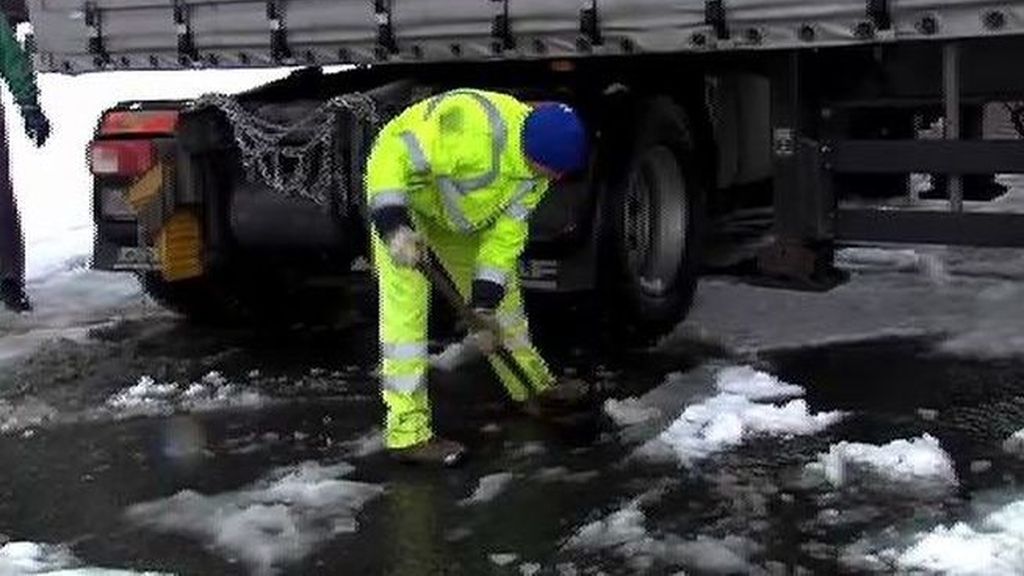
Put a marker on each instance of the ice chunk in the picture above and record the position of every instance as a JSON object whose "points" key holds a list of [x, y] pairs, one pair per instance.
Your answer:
{"points": [[24, 558], [892, 259], [529, 568], [623, 533], [488, 488], [994, 545], [503, 559], [726, 420], [755, 385], [212, 392], [629, 411], [28, 413], [279, 519], [618, 528], [370, 443], [916, 461], [1015, 443]]}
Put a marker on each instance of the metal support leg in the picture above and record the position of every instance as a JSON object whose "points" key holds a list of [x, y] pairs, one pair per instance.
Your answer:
{"points": [[801, 255], [951, 99]]}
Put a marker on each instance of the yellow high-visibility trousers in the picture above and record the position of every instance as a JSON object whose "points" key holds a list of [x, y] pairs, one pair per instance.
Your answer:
{"points": [[404, 295]]}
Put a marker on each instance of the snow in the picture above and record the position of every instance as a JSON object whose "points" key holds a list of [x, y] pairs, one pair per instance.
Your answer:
{"points": [[28, 413], [727, 419], [279, 519], [747, 382], [1015, 443], [996, 546], [503, 559], [488, 488], [366, 445], [968, 297], [995, 329], [892, 259], [212, 392], [629, 411], [623, 532], [24, 558], [529, 568], [919, 461]]}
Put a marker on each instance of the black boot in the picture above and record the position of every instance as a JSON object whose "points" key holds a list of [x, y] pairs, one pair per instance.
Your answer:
{"points": [[569, 396], [12, 293], [436, 451]]}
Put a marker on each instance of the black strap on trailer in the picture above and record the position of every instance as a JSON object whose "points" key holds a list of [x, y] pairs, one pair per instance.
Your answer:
{"points": [[714, 16], [187, 52], [386, 42], [879, 14], [590, 26], [279, 49], [94, 22], [501, 28]]}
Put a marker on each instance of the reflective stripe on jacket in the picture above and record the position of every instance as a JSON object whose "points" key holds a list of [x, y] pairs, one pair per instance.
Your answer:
{"points": [[457, 159]]}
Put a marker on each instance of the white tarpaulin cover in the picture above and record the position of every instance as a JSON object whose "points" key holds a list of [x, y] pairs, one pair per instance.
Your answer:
{"points": [[76, 36]]}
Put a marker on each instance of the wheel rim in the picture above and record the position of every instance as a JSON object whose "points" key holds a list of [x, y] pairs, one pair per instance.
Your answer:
{"points": [[655, 221]]}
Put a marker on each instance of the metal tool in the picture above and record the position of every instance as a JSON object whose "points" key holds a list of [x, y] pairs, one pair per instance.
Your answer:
{"points": [[436, 276]]}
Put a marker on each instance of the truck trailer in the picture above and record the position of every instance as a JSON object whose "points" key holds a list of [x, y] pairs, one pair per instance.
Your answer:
{"points": [[750, 137]]}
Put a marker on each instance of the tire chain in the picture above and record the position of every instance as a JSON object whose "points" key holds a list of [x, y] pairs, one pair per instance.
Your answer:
{"points": [[285, 168]]}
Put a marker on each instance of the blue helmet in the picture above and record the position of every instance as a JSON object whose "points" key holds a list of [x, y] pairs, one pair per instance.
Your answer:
{"points": [[554, 137]]}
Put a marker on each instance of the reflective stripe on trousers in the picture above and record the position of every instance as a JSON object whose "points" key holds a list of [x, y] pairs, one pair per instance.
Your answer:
{"points": [[403, 366]]}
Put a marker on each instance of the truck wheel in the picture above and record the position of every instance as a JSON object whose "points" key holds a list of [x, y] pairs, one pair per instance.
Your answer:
{"points": [[201, 300], [655, 213], [256, 300]]}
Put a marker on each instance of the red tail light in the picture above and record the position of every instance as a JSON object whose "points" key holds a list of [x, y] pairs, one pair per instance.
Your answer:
{"points": [[139, 122], [121, 157]]}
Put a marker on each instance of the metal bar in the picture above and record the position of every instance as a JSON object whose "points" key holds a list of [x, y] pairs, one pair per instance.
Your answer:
{"points": [[931, 227], [951, 100], [432, 270], [930, 156]]}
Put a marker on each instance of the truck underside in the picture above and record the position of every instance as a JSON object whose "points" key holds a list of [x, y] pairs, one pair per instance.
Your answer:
{"points": [[751, 162]]}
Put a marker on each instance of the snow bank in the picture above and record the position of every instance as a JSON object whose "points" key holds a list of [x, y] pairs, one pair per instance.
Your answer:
{"points": [[976, 303], [22, 558], [488, 488], [212, 392], [727, 419], [629, 411], [53, 190], [279, 519], [996, 546], [920, 461], [623, 533], [53, 184], [995, 329]]}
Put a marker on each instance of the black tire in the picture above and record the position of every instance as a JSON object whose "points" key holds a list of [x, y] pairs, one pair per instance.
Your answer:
{"points": [[256, 300], [201, 300], [655, 219]]}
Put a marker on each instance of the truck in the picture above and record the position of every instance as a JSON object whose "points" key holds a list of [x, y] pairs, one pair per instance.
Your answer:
{"points": [[748, 137]]}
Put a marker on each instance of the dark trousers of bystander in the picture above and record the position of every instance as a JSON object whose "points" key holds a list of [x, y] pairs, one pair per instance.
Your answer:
{"points": [[12, 242]]}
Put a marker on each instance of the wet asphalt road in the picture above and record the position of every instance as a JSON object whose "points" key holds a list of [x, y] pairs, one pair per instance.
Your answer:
{"points": [[72, 482]]}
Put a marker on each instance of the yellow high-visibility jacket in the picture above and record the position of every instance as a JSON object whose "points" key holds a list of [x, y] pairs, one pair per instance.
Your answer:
{"points": [[457, 159]]}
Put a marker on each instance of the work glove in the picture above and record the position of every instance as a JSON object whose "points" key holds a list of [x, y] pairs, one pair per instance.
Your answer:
{"points": [[37, 126], [406, 247], [485, 333]]}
